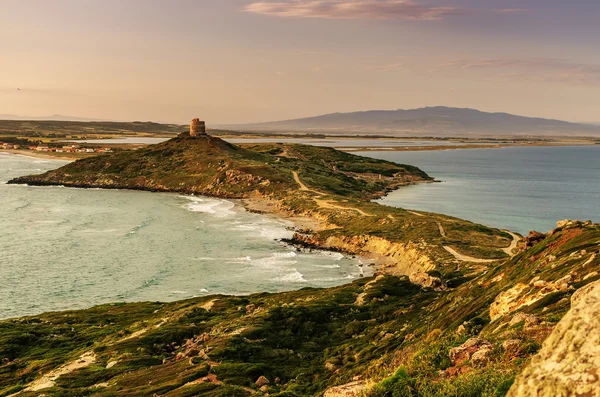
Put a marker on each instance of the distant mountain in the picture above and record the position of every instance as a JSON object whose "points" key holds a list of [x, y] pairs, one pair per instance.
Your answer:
{"points": [[54, 117], [428, 121]]}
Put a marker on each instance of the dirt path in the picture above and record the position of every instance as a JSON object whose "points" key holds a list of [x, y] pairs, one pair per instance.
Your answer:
{"points": [[509, 250], [303, 187], [442, 231], [49, 379], [325, 203], [466, 258], [414, 213]]}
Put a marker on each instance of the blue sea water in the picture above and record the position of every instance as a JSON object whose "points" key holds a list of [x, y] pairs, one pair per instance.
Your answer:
{"points": [[516, 188], [63, 248]]}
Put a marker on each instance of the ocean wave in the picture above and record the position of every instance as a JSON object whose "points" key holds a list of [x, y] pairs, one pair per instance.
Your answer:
{"points": [[328, 266], [294, 277], [275, 260], [216, 207]]}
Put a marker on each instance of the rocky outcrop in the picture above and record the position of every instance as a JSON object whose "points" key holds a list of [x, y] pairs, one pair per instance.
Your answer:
{"points": [[569, 362], [533, 238], [477, 350], [426, 281], [526, 294], [403, 259]]}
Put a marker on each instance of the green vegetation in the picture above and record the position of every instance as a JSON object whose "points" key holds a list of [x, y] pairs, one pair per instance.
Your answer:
{"points": [[304, 341], [64, 129], [385, 330], [334, 181]]}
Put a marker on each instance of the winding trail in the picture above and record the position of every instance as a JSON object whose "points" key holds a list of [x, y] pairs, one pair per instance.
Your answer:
{"points": [[49, 379], [325, 203], [303, 187], [516, 238], [466, 258]]}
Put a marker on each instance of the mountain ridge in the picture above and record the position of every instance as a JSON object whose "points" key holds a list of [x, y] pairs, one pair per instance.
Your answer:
{"points": [[429, 121]]}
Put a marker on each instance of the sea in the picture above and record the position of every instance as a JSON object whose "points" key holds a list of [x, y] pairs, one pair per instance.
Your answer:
{"points": [[65, 248], [517, 188]]}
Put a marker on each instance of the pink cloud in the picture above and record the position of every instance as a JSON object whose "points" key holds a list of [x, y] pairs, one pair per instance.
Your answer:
{"points": [[353, 9]]}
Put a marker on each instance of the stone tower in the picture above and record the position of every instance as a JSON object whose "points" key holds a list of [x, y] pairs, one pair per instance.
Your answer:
{"points": [[197, 128]]}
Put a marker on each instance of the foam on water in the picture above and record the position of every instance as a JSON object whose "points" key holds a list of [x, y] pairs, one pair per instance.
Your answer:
{"points": [[216, 207], [293, 277], [75, 248]]}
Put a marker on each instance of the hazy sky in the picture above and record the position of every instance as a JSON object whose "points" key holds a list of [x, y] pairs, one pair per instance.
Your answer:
{"points": [[230, 61]]}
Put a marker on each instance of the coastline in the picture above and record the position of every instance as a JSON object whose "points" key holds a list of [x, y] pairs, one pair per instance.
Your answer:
{"points": [[44, 155]]}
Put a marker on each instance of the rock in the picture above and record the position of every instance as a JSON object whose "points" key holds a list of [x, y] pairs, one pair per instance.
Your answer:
{"points": [[529, 319], [569, 362], [461, 330], [277, 381], [426, 281], [262, 381], [590, 275], [111, 364], [463, 353], [482, 356], [511, 344], [522, 295], [505, 301], [533, 238], [582, 293], [352, 389], [264, 388]]}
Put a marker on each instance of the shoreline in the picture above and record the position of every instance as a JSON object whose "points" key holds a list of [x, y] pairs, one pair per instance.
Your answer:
{"points": [[41, 155]]}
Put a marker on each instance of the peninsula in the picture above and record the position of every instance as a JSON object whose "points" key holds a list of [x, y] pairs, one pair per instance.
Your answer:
{"points": [[457, 308]]}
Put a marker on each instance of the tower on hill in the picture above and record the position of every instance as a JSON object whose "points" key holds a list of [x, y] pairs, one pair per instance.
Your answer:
{"points": [[197, 128]]}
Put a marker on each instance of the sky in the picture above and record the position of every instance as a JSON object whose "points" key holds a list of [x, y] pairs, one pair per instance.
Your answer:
{"points": [[239, 61]]}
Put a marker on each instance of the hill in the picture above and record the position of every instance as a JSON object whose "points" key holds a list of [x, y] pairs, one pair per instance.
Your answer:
{"points": [[380, 336], [328, 186], [64, 128], [457, 308], [429, 121]]}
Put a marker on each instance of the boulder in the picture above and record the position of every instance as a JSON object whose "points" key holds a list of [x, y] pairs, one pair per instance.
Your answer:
{"points": [[533, 238], [482, 356], [511, 344], [426, 281], [569, 362], [529, 320], [463, 353], [262, 381]]}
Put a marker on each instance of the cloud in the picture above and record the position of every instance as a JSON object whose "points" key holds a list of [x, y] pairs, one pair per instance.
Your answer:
{"points": [[532, 69], [353, 9]]}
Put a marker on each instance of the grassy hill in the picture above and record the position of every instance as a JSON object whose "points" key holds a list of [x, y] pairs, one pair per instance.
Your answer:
{"points": [[62, 129], [430, 324], [382, 335], [317, 182]]}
